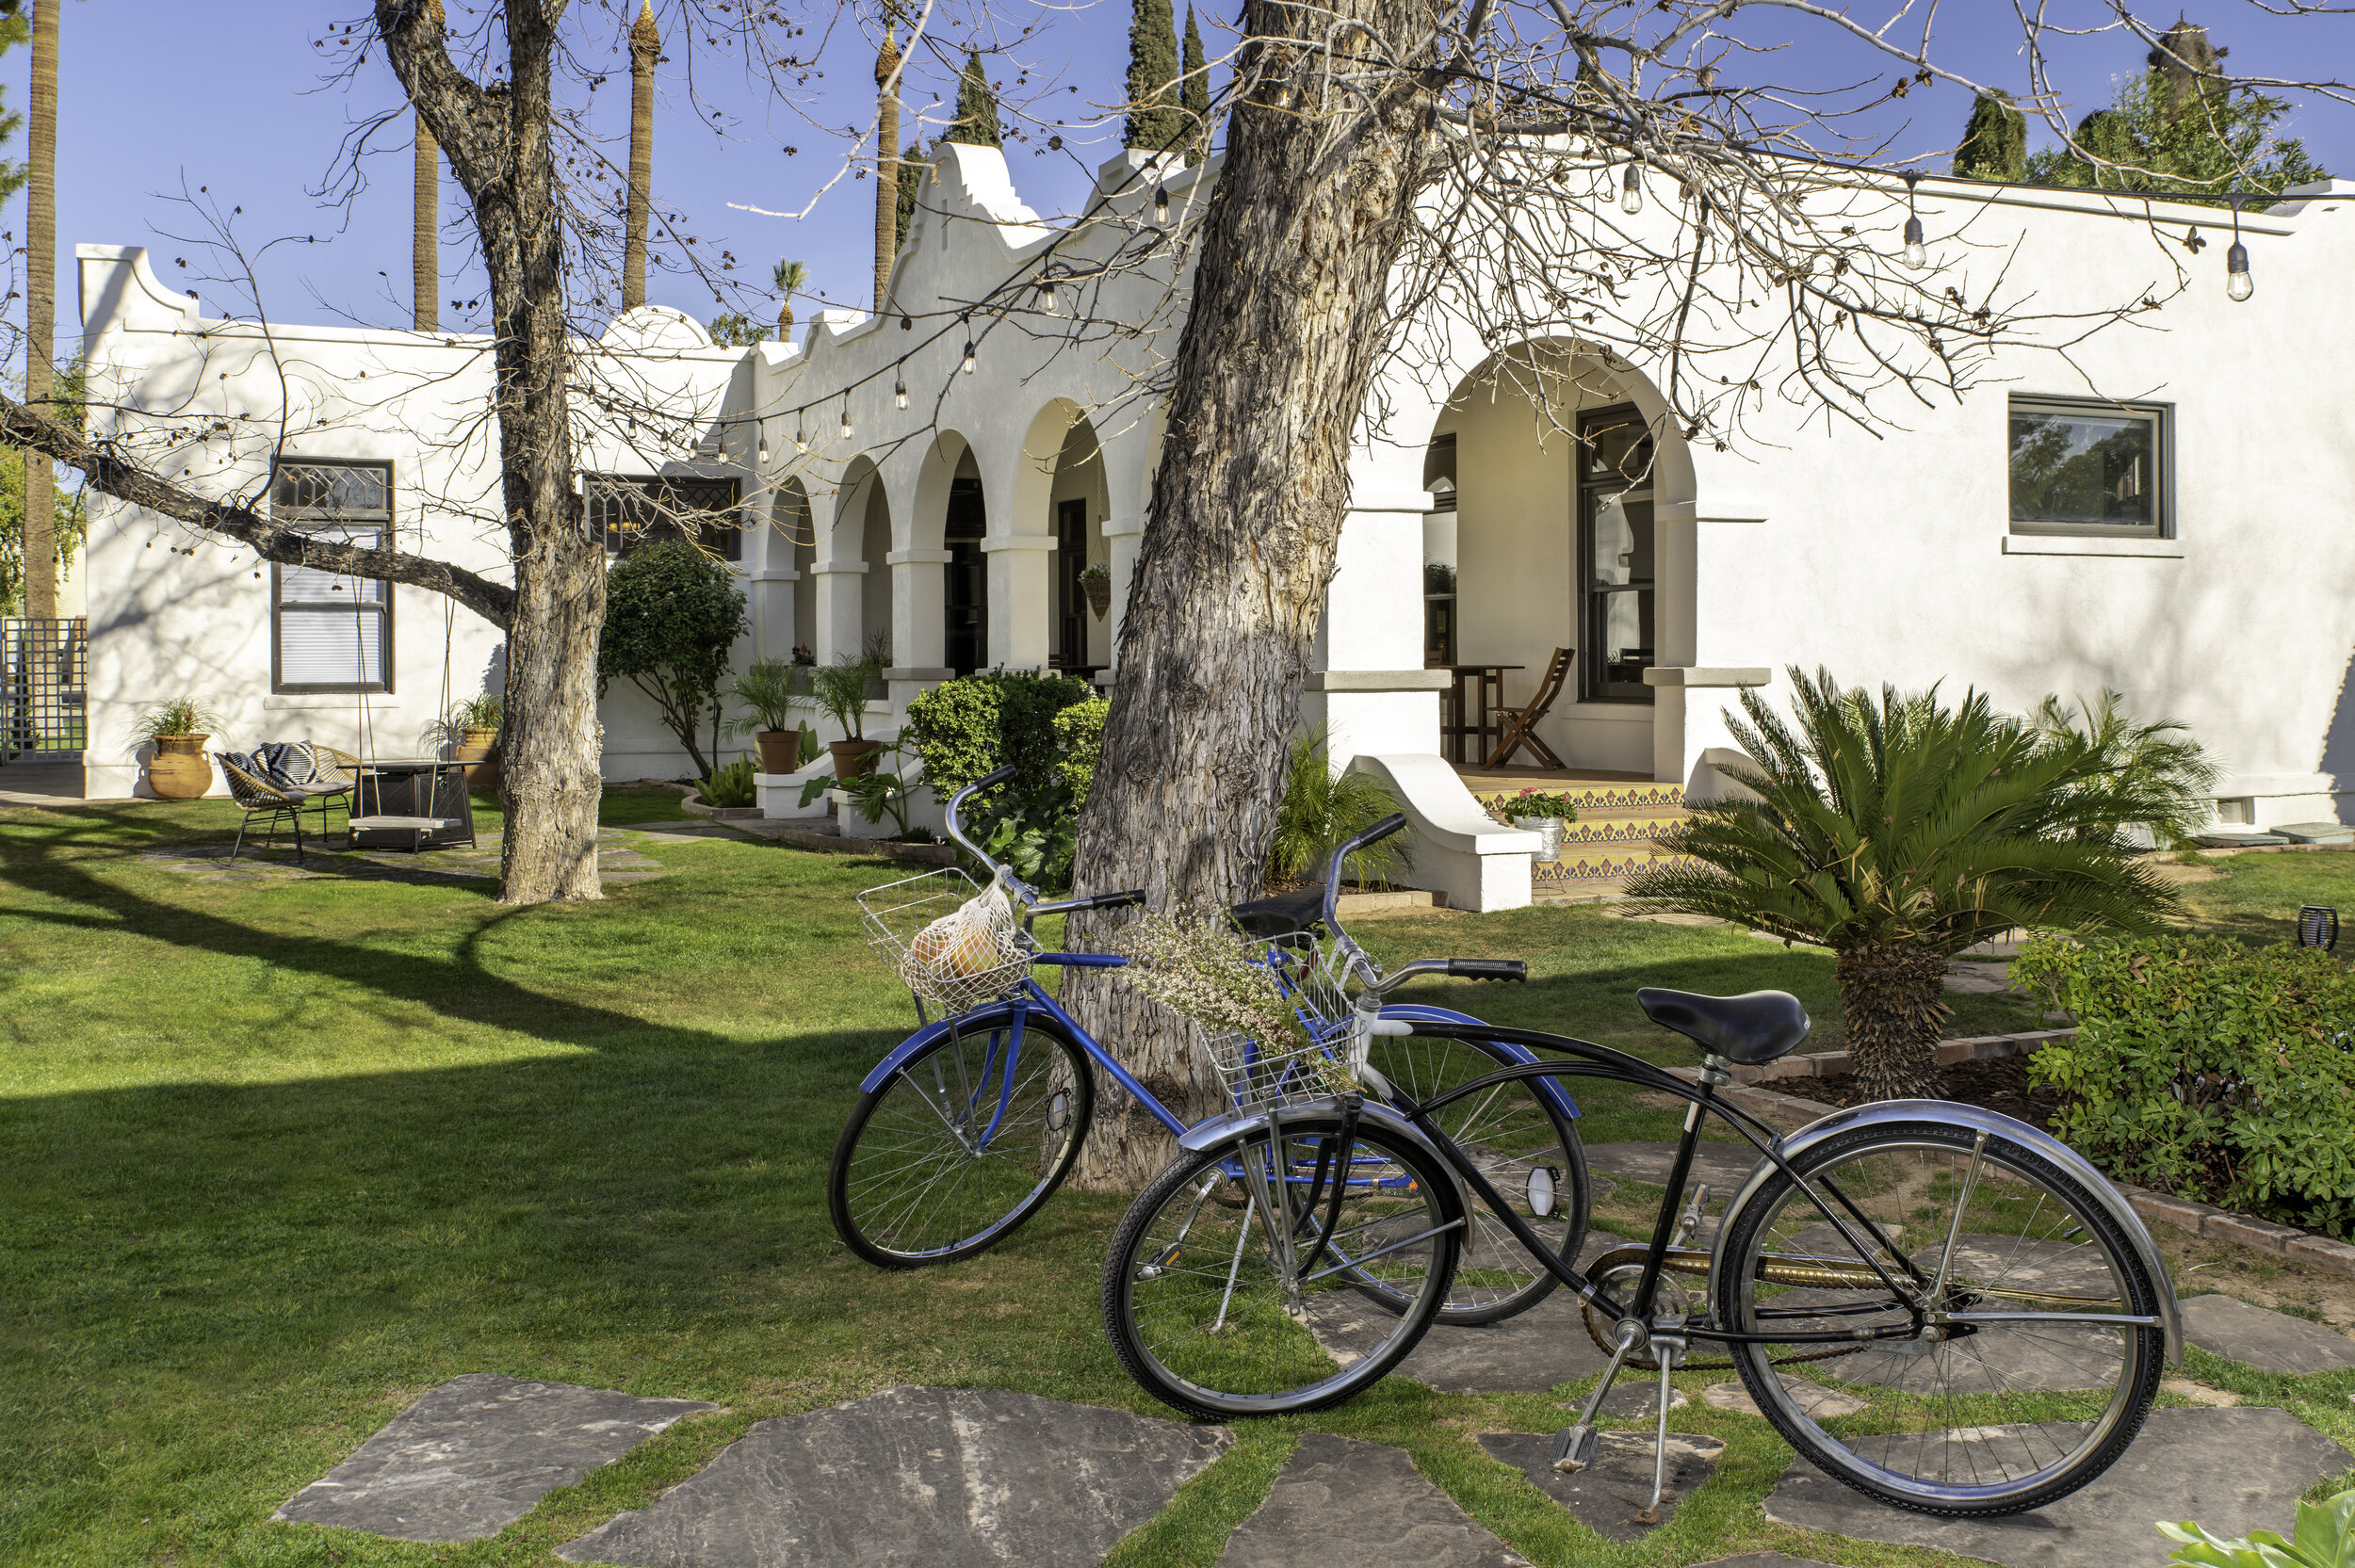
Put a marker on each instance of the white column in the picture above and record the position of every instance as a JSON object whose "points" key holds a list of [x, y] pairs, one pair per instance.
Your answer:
{"points": [[1124, 535], [1375, 695], [916, 596], [840, 583], [1020, 603]]}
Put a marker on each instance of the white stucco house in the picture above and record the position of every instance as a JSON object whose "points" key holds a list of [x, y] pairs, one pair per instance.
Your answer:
{"points": [[2198, 561]]}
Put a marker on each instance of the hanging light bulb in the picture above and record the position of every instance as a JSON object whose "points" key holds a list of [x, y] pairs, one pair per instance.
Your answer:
{"points": [[1631, 189], [900, 388], [1916, 254], [1161, 204], [2237, 284], [966, 368], [800, 432], [846, 417], [764, 449], [1047, 296]]}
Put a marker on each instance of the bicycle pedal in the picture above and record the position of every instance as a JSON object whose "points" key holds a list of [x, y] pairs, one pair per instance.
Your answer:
{"points": [[1574, 1447]]}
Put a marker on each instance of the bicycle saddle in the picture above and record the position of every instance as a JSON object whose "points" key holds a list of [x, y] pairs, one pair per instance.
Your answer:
{"points": [[1281, 915], [1749, 1030]]}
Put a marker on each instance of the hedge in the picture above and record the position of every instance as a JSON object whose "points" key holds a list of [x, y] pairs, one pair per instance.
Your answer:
{"points": [[976, 725], [2207, 1069]]}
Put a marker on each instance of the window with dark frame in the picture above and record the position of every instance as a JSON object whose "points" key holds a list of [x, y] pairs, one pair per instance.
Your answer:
{"points": [[1614, 454], [331, 632], [2085, 467], [634, 509]]}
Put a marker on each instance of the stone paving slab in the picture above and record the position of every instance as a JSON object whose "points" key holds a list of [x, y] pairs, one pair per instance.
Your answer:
{"points": [[474, 1455], [1342, 1501], [1530, 1353], [1606, 1494], [2270, 1341], [2232, 1470], [1723, 1166], [941, 1477], [1761, 1560]]}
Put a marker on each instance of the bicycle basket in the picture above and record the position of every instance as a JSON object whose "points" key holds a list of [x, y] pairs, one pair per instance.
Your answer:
{"points": [[1259, 1075], [957, 944]]}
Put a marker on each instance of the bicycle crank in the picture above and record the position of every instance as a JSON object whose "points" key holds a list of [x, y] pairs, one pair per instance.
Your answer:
{"points": [[1619, 1269]]}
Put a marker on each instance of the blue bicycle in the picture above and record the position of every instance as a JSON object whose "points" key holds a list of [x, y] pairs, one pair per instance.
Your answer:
{"points": [[969, 1125]]}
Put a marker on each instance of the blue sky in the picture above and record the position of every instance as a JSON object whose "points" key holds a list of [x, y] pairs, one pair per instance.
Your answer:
{"points": [[230, 97]]}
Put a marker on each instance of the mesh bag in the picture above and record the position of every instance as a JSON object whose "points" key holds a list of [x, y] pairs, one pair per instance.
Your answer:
{"points": [[956, 944]]}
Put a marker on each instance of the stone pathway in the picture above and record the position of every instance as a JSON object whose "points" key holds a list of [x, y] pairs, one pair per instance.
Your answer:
{"points": [[947, 1478], [1340, 1501], [1606, 1496], [2270, 1341], [1723, 1166], [2232, 1470], [474, 1455], [620, 861], [1528, 1354]]}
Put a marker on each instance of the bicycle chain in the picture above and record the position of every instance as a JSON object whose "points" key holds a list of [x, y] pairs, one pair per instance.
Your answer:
{"points": [[1624, 1258]]}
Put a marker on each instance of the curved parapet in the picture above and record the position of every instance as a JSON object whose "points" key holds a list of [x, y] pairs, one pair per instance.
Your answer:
{"points": [[1478, 862], [120, 293]]}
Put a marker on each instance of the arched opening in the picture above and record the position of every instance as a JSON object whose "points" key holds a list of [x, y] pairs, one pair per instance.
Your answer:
{"points": [[1078, 631], [875, 583], [1547, 465], [792, 544], [965, 575]]}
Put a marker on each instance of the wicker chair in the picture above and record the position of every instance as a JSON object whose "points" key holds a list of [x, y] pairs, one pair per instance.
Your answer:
{"points": [[333, 775]]}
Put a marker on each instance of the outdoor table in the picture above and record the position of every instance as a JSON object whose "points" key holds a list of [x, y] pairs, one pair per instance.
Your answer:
{"points": [[1454, 697], [410, 803]]}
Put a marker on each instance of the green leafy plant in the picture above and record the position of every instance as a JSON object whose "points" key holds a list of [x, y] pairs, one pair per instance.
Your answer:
{"points": [[774, 689], [173, 717], [1080, 745], [2208, 1069], [1897, 832], [1321, 811], [1439, 577], [812, 748], [2158, 764], [974, 725], [839, 690], [1096, 572], [2158, 136], [736, 331], [672, 613], [879, 792], [1033, 828], [1531, 802], [2325, 1538], [484, 710], [731, 786]]}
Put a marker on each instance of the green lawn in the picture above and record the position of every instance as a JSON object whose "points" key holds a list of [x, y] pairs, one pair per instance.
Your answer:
{"points": [[276, 1157]]}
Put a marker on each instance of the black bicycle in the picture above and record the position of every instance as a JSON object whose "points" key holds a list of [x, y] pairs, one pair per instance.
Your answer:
{"points": [[1944, 1308]]}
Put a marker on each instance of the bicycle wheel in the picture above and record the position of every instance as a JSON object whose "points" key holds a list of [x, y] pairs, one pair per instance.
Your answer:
{"points": [[1219, 1312], [1523, 1143], [962, 1144], [2015, 1392]]}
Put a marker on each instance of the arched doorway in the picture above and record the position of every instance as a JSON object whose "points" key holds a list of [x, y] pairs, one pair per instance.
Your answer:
{"points": [[1079, 634], [964, 576]]}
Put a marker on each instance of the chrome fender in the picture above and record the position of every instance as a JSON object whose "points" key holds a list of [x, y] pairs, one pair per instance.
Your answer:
{"points": [[1219, 1129], [1889, 1111]]}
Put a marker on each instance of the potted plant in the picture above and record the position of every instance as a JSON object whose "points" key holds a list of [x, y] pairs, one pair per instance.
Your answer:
{"points": [[1545, 816], [839, 691], [471, 730], [1096, 581], [772, 689], [176, 732]]}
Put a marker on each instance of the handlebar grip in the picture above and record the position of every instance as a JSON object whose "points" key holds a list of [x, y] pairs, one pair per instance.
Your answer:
{"points": [[1104, 901], [1488, 969], [1379, 832], [987, 779]]}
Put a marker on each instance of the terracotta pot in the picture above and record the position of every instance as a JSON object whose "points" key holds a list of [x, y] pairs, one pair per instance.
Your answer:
{"points": [[177, 767], [852, 758], [780, 750], [1099, 593], [479, 750]]}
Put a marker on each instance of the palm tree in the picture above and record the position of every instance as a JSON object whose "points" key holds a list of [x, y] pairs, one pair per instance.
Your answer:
{"points": [[425, 197], [1898, 832], [41, 313], [645, 45], [886, 166], [790, 277], [2159, 761]]}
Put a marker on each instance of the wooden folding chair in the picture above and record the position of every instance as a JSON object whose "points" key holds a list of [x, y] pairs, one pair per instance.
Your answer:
{"points": [[1519, 726]]}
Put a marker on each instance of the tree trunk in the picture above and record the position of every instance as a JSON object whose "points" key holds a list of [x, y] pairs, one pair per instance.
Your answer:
{"points": [[645, 43], [1289, 317], [1894, 999], [425, 260], [40, 312], [887, 168]]}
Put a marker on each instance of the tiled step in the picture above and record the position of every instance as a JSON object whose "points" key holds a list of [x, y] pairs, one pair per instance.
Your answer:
{"points": [[1612, 840]]}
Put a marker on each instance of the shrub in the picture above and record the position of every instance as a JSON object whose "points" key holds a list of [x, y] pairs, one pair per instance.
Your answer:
{"points": [[731, 786], [975, 725], [672, 613], [1321, 811], [1079, 744], [2325, 1538], [2208, 1069]]}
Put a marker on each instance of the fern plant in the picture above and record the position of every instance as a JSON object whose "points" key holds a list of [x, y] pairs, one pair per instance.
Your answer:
{"points": [[1897, 832], [1321, 811]]}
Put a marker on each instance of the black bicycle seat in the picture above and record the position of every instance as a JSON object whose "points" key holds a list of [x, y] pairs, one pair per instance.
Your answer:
{"points": [[1283, 914], [1749, 1030]]}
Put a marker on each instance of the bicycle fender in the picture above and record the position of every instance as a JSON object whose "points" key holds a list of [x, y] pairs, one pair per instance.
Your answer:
{"points": [[1978, 1119], [994, 1016], [1219, 1129], [1551, 1088]]}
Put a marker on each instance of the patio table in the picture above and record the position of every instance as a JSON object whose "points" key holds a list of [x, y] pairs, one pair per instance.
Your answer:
{"points": [[1454, 697]]}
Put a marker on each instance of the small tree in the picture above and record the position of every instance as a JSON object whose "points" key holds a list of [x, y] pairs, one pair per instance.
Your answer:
{"points": [[1995, 143], [1157, 118], [977, 108], [1196, 96], [1898, 832], [672, 613]]}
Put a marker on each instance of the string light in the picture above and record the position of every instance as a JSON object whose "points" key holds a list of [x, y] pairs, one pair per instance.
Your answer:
{"points": [[2238, 286], [800, 432], [1161, 204], [1631, 189], [899, 387], [1916, 254], [968, 366], [1047, 296], [847, 433]]}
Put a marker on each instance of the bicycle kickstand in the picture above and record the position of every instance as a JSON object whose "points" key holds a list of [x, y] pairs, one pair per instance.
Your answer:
{"points": [[1574, 1445], [1667, 1348]]}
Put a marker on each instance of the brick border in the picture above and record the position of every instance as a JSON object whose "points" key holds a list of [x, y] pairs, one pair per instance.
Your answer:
{"points": [[2159, 1208]]}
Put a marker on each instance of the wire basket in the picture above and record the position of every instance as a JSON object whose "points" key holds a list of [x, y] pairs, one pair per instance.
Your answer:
{"points": [[954, 965], [1259, 1076]]}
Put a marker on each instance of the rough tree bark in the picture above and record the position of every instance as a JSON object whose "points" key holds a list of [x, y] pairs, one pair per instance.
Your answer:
{"points": [[1289, 317], [645, 43], [501, 150], [887, 167], [1894, 1000], [40, 311]]}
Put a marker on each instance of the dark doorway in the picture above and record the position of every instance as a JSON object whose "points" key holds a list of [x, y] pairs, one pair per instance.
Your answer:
{"points": [[1071, 558], [964, 600], [1615, 555]]}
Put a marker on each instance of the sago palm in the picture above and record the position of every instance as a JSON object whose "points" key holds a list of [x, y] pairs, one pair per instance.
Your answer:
{"points": [[1897, 832]]}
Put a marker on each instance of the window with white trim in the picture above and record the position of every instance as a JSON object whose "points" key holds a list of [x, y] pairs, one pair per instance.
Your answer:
{"points": [[2090, 468], [634, 509], [331, 632]]}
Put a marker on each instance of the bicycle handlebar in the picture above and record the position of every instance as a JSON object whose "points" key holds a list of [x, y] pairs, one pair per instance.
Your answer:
{"points": [[1022, 890], [1376, 835]]}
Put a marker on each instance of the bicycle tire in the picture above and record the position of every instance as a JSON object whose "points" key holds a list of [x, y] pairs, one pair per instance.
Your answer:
{"points": [[992, 1196], [1984, 1402], [1287, 1347], [1511, 1134]]}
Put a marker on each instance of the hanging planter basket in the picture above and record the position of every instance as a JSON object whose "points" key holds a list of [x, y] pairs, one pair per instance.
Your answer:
{"points": [[1099, 593]]}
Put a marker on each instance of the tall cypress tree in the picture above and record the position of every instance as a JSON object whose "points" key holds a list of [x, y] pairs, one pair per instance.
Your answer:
{"points": [[1156, 118], [912, 168], [977, 108], [1197, 96], [1995, 143]]}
